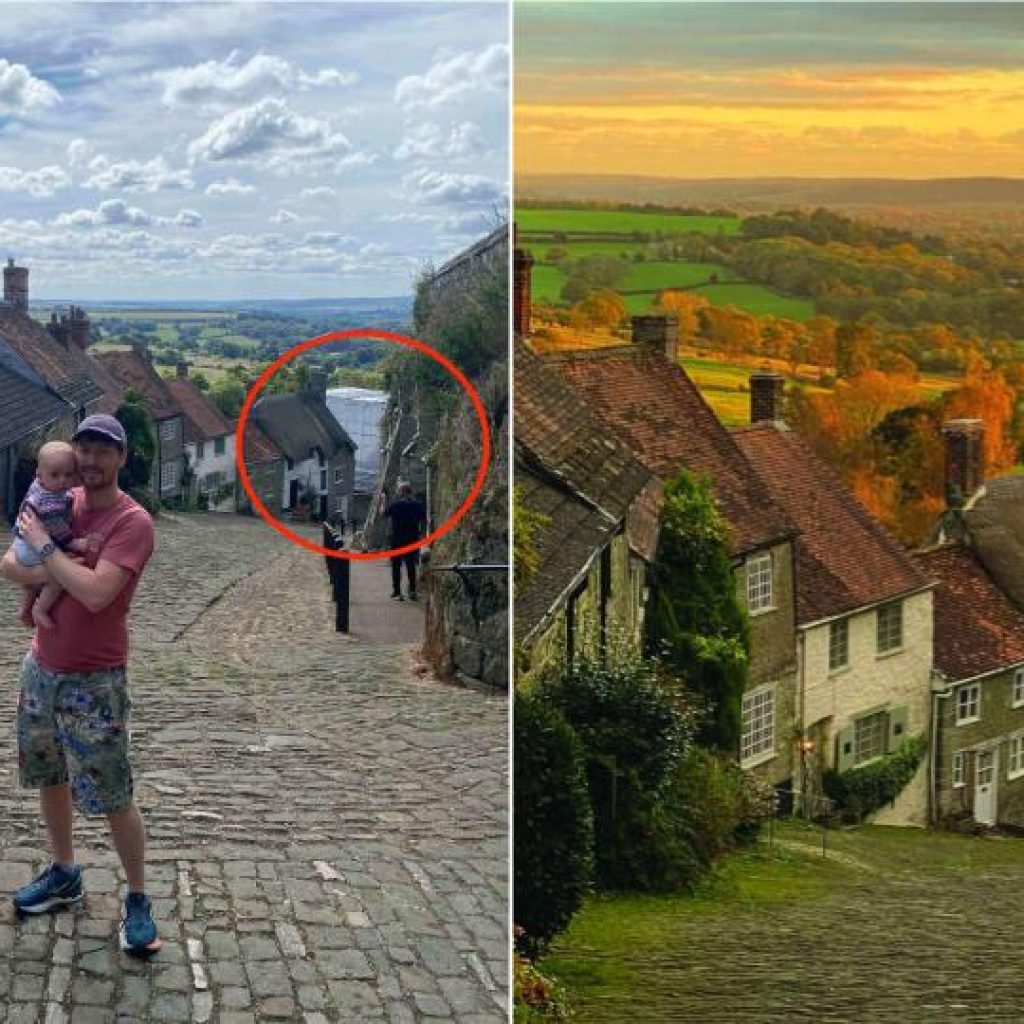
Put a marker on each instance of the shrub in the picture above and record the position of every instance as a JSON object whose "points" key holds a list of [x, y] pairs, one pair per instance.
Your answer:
{"points": [[554, 831], [537, 997], [864, 790], [634, 725]]}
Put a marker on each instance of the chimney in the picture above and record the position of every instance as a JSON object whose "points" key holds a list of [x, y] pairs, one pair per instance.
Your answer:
{"points": [[766, 397], [318, 383], [59, 329], [16, 285], [522, 265], [182, 368], [78, 325], [964, 460], [658, 332], [141, 348]]}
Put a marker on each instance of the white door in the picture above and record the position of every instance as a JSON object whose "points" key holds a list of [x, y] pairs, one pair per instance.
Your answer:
{"points": [[985, 775]]}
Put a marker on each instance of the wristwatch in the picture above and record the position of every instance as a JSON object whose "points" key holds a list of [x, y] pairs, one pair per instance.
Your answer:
{"points": [[46, 550]]}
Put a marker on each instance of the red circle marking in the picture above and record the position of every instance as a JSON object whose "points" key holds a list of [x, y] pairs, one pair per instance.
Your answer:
{"points": [[400, 339]]}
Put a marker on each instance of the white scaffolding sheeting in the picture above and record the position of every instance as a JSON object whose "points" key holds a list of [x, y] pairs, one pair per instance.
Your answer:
{"points": [[359, 411]]}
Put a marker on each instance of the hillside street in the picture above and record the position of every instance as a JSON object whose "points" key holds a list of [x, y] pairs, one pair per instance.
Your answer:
{"points": [[327, 823]]}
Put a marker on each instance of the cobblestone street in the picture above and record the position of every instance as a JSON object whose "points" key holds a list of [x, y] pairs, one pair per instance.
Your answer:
{"points": [[327, 823]]}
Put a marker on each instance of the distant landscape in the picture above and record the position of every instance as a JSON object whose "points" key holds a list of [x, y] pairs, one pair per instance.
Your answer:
{"points": [[885, 322], [228, 344]]}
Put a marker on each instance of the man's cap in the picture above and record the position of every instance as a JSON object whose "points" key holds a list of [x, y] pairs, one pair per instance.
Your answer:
{"points": [[105, 426]]}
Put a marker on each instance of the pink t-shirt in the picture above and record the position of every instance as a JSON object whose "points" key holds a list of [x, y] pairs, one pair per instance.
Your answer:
{"points": [[83, 641]]}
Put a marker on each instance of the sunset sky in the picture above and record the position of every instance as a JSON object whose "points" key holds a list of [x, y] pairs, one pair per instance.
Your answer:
{"points": [[713, 90]]}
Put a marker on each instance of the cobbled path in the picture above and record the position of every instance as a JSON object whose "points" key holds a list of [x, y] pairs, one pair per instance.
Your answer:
{"points": [[327, 825]]}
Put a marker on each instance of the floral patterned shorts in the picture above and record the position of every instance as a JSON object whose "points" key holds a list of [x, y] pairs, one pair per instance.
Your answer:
{"points": [[76, 724]]}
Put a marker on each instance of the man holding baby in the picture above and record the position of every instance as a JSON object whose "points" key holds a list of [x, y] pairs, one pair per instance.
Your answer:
{"points": [[74, 704]]}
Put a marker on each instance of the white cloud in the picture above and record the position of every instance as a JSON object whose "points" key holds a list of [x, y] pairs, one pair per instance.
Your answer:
{"points": [[454, 76], [113, 211], [324, 238], [284, 217], [320, 192], [229, 80], [439, 188], [279, 139], [21, 93], [230, 187], [39, 183], [135, 176], [117, 213], [430, 140]]}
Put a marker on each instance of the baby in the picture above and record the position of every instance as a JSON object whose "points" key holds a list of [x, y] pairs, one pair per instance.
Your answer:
{"points": [[49, 497]]}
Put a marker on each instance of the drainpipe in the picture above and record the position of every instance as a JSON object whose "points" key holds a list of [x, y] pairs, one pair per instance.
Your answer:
{"points": [[801, 686], [937, 695]]}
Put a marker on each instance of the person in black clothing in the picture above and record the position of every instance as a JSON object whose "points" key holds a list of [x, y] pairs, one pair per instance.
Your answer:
{"points": [[408, 521]]}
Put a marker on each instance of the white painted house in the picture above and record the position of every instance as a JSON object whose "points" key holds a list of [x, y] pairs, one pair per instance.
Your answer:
{"points": [[864, 625], [209, 444]]}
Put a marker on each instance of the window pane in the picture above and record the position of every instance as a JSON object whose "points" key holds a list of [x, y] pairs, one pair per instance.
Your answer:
{"points": [[758, 723], [869, 736], [759, 582]]}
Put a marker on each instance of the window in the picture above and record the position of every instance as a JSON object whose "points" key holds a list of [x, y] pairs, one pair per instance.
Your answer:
{"points": [[339, 476], [758, 723], [168, 476], [869, 736], [1018, 688], [890, 628], [199, 449], [759, 582], [211, 482], [968, 704], [838, 644], [168, 430], [958, 769], [323, 479], [1016, 765], [218, 446]]}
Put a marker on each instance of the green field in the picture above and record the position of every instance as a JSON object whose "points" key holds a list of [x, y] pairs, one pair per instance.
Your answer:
{"points": [[158, 315], [618, 221], [757, 299]]}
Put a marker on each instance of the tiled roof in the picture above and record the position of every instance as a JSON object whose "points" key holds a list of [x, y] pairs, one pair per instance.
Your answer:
{"points": [[65, 369], [995, 522], [570, 535], [113, 389], [26, 407], [977, 629], [657, 410], [555, 425], [203, 420], [299, 421], [259, 447], [135, 373], [846, 559]]}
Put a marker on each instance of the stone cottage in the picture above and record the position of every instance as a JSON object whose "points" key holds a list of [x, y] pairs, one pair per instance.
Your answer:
{"points": [[209, 444], [864, 615], [319, 456], [133, 369], [645, 397], [596, 531]]}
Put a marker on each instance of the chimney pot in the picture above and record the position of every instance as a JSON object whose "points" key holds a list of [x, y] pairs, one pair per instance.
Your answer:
{"points": [[964, 459], [182, 369], [658, 332], [766, 394], [16, 285]]}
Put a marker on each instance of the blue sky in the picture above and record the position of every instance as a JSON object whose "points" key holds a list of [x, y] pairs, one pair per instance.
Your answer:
{"points": [[267, 150]]}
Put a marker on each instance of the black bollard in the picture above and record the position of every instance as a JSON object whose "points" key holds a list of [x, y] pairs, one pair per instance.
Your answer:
{"points": [[338, 572]]}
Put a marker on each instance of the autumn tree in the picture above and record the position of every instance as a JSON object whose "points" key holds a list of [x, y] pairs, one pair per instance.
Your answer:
{"points": [[601, 309], [687, 307]]}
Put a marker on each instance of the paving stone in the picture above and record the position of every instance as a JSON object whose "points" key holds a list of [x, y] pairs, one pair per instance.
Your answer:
{"points": [[233, 997], [170, 1006], [277, 1008], [268, 978], [355, 999], [346, 963]]}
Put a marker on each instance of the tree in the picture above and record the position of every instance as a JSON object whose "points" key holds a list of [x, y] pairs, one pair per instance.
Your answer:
{"points": [[601, 309], [695, 623], [687, 307], [592, 274], [141, 436], [228, 395]]}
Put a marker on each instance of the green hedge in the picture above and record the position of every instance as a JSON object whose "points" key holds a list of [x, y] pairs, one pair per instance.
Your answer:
{"points": [[864, 790], [553, 826]]}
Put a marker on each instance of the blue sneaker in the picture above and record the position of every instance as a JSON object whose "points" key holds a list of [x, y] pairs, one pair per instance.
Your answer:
{"points": [[138, 929], [55, 887]]}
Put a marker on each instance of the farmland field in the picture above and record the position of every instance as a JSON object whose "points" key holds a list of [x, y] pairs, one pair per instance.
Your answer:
{"points": [[757, 299], [530, 221]]}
